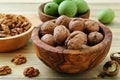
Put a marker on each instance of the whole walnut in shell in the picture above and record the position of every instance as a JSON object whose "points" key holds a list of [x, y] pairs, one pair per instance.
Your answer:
{"points": [[95, 37], [91, 26], [76, 24], [48, 27], [60, 34], [63, 20], [48, 39], [76, 40]]}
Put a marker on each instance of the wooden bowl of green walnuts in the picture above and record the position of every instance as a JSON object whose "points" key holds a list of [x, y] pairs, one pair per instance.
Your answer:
{"points": [[54, 9]]}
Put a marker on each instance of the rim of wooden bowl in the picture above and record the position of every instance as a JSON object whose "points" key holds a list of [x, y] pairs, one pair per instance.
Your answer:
{"points": [[41, 11]]}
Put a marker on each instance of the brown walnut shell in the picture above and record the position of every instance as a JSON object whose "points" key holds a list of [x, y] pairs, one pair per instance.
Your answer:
{"points": [[63, 20], [76, 40], [76, 24], [60, 34], [115, 56], [48, 27], [48, 39], [111, 68], [95, 38], [91, 26]]}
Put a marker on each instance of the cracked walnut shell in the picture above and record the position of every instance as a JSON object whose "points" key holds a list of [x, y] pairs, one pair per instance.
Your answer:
{"points": [[31, 72], [76, 40]]}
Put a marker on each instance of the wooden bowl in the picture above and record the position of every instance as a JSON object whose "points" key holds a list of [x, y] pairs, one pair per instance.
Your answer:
{"points": [[15, 42], [72, 61], [44, 17]]}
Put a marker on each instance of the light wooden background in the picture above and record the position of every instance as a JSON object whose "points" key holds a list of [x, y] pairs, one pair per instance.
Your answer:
{"points": [[30, 10]]}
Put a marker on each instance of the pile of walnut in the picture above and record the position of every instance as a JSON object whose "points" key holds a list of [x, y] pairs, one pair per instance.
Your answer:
{"points": [[70, 33], [11, 25]]}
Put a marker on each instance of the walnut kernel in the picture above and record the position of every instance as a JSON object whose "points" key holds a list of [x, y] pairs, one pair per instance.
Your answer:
{"points": [[19, 59], [4, 70], [12, 25], [31, 72]]}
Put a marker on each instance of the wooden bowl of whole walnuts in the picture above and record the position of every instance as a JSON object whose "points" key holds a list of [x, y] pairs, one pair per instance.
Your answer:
{"points": [[15, 31], [71, 45], [45, 17]]}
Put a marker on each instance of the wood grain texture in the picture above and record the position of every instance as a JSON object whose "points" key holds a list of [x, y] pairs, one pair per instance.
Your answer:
{"points": [[72, 61], [46, 72]]}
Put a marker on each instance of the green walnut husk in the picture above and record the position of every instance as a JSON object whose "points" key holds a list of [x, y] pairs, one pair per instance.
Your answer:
{"points": [[82, 6], [106, 16]]}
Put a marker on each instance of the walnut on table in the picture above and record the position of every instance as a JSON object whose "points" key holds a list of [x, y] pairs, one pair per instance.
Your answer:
{"points": [[4, 70], [31, 72], [19, 59]]}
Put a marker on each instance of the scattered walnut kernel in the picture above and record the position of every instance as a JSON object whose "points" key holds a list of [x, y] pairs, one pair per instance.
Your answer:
{"points": [[4, 70], [31, 72], [19, 59]]}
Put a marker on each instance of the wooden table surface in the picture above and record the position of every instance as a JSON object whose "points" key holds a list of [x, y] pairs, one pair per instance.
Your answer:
{"points": [[28, 51]]}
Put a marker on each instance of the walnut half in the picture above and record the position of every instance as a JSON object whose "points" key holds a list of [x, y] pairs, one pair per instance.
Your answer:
{"points": [[4, 70], [31, 72], [19, 59]]}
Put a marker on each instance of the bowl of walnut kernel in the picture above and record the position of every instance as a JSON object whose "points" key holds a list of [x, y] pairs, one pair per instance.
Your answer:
{"points": [[71, 45], [15, 31]]}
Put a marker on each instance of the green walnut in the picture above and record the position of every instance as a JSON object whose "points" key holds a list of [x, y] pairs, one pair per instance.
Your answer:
{"points": [[67, 8], [82, 6], [51, 8], [58, 1], [106, 16]]}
